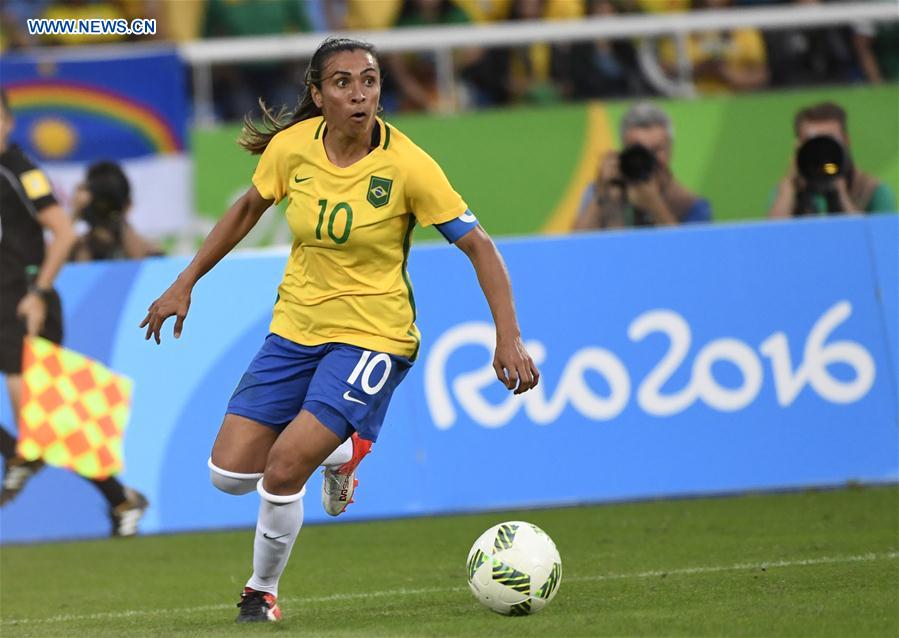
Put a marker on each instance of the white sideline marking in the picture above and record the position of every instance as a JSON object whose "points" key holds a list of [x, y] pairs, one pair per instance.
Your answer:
{"points": [[682, 571], [825, 560]]}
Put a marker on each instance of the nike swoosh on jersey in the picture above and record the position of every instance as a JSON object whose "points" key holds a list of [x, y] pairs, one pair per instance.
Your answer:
{"points": [[348, 397], [299, 180]]}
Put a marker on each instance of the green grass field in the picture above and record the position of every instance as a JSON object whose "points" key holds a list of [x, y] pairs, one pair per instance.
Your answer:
{"points": [[800, 564]]}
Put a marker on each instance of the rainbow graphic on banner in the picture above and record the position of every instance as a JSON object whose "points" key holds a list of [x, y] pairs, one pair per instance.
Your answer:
{"points": [[73, 109], [60, 97]]}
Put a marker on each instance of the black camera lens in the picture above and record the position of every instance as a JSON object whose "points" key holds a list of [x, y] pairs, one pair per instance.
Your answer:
{"points": [[637, 163], [820, 159]]}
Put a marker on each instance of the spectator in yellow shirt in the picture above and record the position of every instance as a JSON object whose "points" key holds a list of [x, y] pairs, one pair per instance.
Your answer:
{"points": [[723, 61]]}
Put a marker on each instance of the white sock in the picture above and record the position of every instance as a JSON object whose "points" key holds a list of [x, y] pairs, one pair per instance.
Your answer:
{"points": [[341, 455], [279, 523]]}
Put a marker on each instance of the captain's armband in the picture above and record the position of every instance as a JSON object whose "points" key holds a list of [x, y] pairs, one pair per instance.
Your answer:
{"points": [[455, 229]]}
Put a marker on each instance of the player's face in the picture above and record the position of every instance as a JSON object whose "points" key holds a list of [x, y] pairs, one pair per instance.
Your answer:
{"points": [[832, 128], [350, 92], [655, 138], [5, 127]]}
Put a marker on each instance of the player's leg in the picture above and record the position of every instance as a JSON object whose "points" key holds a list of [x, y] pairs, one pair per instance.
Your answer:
{"points": [[339, 480], [341, 454], [239, 454], [299, 450], [242, 446], [266, 402], [355, 385], [267, 398]]}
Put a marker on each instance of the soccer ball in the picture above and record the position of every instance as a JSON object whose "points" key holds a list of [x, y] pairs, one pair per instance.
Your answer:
{"points": [[514, 568]]}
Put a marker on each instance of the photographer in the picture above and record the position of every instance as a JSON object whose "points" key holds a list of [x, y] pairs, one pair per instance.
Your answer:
{"points": [[823, 177], [636, 187], [102, 202]]}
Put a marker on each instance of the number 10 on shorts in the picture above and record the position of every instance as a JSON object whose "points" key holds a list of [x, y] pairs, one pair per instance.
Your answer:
{"points": [[366, 368]]}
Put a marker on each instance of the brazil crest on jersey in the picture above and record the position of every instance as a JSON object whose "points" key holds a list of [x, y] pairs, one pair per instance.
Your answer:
{"points": [[346, 279]]}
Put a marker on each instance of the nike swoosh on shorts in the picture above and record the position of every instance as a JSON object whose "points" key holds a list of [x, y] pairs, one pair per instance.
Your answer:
{"points": [[349, 397]]}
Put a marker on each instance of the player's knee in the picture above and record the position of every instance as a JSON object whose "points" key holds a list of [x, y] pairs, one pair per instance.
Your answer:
{"points": [[279, 499], [282, 479], [286, 476], [232, 482]]}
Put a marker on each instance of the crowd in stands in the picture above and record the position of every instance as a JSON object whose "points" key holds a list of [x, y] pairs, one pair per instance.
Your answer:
{"points": [[726, 61], [633, 187]]}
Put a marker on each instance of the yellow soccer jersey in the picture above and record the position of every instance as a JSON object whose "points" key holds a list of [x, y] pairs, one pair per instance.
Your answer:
{"points": [[346, 279]]}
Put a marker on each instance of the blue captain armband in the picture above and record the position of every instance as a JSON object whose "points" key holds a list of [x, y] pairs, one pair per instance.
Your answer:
{"points": [[455, 229]]}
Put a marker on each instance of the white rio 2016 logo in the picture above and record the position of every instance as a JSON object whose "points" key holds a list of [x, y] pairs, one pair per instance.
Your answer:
{"points": [[573, 389]]}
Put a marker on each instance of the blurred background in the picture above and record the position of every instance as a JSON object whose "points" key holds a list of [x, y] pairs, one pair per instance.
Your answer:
{"points": [[519, 101], [730, 73]]}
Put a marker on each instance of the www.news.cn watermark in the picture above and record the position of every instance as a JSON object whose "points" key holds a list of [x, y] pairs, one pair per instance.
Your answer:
{"points": [[91, 26]]}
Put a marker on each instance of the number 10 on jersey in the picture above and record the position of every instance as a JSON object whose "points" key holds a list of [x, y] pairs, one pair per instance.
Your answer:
{"points": [[339, 207]]}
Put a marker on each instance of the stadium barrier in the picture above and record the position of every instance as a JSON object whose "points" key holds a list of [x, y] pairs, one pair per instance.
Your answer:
{"points": [[674, 362], [441, 41]]}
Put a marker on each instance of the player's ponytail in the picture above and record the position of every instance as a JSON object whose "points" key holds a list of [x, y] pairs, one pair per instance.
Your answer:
{"points": [[255, 138]]}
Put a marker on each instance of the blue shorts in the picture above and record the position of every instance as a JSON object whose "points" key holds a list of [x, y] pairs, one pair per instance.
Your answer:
{"points": [[346, 387]]}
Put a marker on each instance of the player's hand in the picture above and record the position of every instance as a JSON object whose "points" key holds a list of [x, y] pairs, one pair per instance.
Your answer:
{"points": [[174, 302], [513, 365], [32, 309]]}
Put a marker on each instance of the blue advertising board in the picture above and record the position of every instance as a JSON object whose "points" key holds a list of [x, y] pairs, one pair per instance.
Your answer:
{"points": [[673, 362]]}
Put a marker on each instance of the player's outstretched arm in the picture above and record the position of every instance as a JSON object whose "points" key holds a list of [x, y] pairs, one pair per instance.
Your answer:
{"points": [[513, 365], [225, 235]]}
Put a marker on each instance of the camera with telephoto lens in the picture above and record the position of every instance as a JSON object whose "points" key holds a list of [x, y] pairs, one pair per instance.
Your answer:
{"points": [[819, 161], [637, 163]]}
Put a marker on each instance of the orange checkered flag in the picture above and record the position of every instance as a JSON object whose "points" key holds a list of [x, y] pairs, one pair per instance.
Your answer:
{"points": [[74, 410]]}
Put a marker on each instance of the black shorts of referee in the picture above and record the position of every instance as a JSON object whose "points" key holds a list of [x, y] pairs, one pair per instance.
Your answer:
{"points": [[12, 329]]}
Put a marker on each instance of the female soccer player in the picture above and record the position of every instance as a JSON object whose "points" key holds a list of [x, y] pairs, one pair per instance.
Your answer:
{"points": [[343, 331]]}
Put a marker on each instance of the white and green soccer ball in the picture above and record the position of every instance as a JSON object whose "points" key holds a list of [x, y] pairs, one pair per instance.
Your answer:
{"points": [[514, 568]]}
